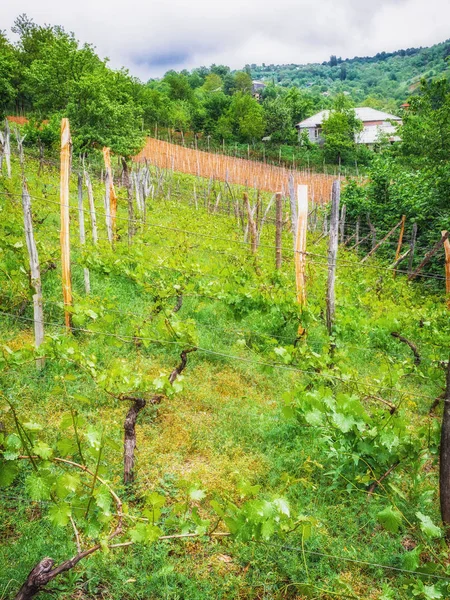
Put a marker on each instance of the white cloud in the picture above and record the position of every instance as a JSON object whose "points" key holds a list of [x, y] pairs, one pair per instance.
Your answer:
{"points": [[151, 36]]}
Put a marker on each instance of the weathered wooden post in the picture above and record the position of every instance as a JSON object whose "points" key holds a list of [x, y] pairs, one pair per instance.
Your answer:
{"points": [[87, 281], [35, 273], [375, 248], [127, 183], [278, 228], [251, 224], [109, 182], [300, 242], [400, 240], [447, 266], [332, 254], [66, 143], [429, 255], [293, 201], [90, 192]]}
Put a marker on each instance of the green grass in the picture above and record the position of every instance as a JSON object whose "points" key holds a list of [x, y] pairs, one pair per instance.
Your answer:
{"points": [[227, 425]]}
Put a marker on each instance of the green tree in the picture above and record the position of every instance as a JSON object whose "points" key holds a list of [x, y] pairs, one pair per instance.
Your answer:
{"points": [[102, 113], [243, 82], [426, 124], [244, 120], [213, 83], [339, 131], [8, 69], [179, 88], [278, 118]]}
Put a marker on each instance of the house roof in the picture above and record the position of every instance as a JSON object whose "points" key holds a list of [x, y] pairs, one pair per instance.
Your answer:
{"points": [[363, 113]]}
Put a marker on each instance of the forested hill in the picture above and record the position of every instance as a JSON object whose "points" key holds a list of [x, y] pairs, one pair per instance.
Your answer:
{"points": [[393, 75]]}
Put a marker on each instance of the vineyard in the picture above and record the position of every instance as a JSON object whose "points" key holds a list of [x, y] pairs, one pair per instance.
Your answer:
{"points": [[246, 173], [213, 390]]}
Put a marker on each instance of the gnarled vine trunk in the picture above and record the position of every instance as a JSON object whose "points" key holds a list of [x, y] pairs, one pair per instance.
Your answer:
{"points": [[129, 443]]}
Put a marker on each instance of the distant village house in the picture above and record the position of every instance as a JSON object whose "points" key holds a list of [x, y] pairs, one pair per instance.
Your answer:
{"points": [[257, 88], [376, 125]]}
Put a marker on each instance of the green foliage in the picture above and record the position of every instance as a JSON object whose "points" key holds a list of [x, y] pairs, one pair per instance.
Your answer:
{"points": [[340, 129], [387, 77], [216, 456]]}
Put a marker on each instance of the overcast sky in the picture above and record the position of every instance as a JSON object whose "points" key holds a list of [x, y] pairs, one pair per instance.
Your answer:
{"points": [[150, 37]]}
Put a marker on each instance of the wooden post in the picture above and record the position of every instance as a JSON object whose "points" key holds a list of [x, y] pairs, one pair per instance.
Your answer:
{"points": [[279, 228], [293, 207], [251, 224], [90, 192], [428, 256], [332, 254], [447, 267], [66, 143], [35, 273], [20, 141], [110, 189], [399, 260], [412, 247], [300, 242], [127, 182], [358, 221], [107, 204], [400, 240], [87, 281], [375, 248]]}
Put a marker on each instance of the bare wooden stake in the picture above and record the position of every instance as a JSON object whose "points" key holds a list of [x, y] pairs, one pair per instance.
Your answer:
{"points": [[300, 243], [127, 183], [92, 214], [66, 143], [388, 235], [400, 240], [429, 255], [279, 229], [35, 273], [400, 259], [332, 255], [87, 281], [293, 200], [110, 189], [107, 205], [251, 225]]}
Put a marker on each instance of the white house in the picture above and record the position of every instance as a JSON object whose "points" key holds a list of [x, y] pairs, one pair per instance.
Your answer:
{"points": [[376, 124]]}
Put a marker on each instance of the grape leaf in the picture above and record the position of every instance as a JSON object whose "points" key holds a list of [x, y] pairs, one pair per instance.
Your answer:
{"points": [[390, 518], [59, 514], [428, 527], [37, 487]]}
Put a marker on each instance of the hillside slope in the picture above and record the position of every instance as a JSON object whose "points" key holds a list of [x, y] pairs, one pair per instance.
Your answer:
{"points": [[388, 75], [292, 432]]}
